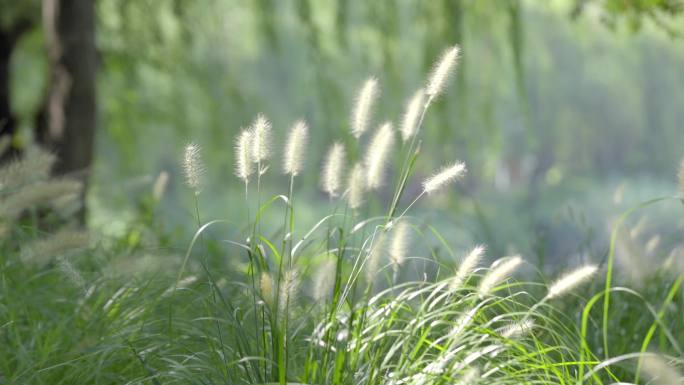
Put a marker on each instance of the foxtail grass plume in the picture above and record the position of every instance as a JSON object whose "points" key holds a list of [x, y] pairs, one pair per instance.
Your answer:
{"points": [[261, 139], [444, 177], [193, 167], [517, 329], [35, 165], [470, 377], [409, 123], [376, 155], [159, 187], [266, 288], [467, 267], [324, 279], [357, 186], [39, 194], [442, 72], [43, 250], [332, 169], [401, 238], [289, 285], [243, 153], [375, 257], [571, 280], [364, 106], [500, 271], [660, 373], [295, 148]]}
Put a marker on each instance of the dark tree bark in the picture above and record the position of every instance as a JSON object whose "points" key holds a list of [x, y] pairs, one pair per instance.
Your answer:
{"points": [[69, 113], [70, 107], [8, 40]]}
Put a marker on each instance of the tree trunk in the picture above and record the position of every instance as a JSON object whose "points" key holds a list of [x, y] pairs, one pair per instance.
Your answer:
{"points": [[8, 123], [69, 117]]}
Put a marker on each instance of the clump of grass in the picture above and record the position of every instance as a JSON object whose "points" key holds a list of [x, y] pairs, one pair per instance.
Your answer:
{"points": [[320, 305]]}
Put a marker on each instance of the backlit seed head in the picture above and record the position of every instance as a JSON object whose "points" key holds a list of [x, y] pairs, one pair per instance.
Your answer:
{"points": [[377, 155], [444, 177], [261, 139], [332, 169], [364, 106], [295, 148], [571, 280], [500, 271], [357, 187], [243, 155], [193, 167], [442, 72], [409, 123]]}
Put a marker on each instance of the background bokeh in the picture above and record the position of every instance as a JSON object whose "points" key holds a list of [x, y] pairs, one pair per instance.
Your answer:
{"points": [[565, 116]]}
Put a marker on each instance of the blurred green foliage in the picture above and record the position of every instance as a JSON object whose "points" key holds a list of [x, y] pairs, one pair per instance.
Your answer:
{"points": [[545, 106]]}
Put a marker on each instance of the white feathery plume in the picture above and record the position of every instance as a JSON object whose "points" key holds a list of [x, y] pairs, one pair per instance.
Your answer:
{"points": [[295, 148], [324, 279], [333, 169], [517, 329], [375, 257], [261, 139], [470, 377], [444, 176], [441, 72], [42, 193], [401, 238], [193, 167], [160, 184], [35, 165], [289, 285], [409, 123], [467, 266], [571, 280], [500, 271], [243, 154], [463, 322], [376, 155], [266, 288], [660, 372], [364, 105], [43, 250], [357, 186]]}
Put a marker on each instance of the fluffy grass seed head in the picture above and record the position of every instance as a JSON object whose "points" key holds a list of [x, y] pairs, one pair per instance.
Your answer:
{"points": [[333, 167], [467, 267], [660, 373], [295, 148], [261, 139], [289, 285], [375, 257], [401, 239], [517, 329], [160, 185], [65, 241], [35, 165], [266, 288], [444, 177], [571, 280], [363, 107], [442, 72], [49, 192], [243, 153], [324, 279], [409, 122], [500, 271], [193, 167], [470, 377], [377, 154], [357, 187]]}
